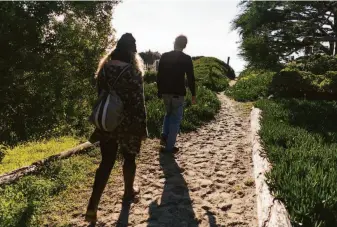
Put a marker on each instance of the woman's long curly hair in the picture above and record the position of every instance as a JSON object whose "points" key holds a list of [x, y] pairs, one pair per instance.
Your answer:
{"points": [[125, 51]]}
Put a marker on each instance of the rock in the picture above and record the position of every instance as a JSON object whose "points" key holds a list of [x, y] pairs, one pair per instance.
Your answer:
{"points": [[241, 194], [220, 174], [232, 181], [225, 206], [162, 180], [206, 205], [204, 183], [141, 225], [194, 189], [190, 173], [249, 182]]}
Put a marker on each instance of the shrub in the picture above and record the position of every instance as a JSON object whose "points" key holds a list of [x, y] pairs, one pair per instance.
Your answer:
{"points": [[294, 83], [3, 150], [194, 116], [252, 86], [197, 57], [305, 78], [150, 77], [317, 64], [205, 110], [150, 91], [300, 140], [211, 73]]}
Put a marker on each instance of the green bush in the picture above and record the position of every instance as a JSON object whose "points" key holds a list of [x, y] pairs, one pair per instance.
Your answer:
{"points": [[300, 140], [150, 91], [316, 64], [46, 76], [211, 73], [311, 78], [294, 83], [194, 116], [150, 77], [210, 76], [254, 85]]}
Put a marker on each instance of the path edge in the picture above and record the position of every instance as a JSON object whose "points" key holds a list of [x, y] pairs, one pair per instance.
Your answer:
{"points": [[14, 175], [270, 212]]}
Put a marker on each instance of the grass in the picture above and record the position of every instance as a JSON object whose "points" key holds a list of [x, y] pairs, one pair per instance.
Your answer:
{"points": [[300, 138], [27, 153], [26, 202]]}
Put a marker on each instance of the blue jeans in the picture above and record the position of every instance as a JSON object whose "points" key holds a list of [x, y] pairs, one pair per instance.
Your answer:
{"points": [[174, 106]]}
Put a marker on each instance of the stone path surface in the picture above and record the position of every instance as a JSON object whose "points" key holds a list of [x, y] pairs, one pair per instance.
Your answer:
{"points": [[208, 183]]}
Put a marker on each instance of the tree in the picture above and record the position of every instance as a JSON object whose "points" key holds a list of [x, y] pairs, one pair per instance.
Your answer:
{"points": [[49, 52], [273, 31], [149, 57]]}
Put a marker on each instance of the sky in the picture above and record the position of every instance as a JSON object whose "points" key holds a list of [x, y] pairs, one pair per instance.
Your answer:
{"points": [[206, 23]]}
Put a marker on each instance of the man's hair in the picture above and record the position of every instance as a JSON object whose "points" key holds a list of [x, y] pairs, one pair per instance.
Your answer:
{"points": [[180, 42]]}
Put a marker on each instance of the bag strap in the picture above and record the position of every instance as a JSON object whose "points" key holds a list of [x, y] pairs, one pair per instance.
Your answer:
{"points": [[113, 85]]}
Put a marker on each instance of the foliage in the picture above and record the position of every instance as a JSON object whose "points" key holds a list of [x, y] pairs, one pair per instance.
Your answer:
{"points": [[207, 104], [49, 52], [211, 73], [194, 116], [252, 86], [197, 57], [317, 64], [207, 107], [149, 57], [24, 202], [272, 31], [303, 84], [150, 77], [311, 78], [27, 153], [300, 137]]}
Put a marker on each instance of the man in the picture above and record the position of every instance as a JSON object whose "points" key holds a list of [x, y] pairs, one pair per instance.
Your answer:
{"points": [[173, 66]]}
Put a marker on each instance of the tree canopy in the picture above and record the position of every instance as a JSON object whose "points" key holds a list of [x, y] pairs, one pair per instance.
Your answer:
{"points": [[49, 53], [272, 31], [149, 57]]}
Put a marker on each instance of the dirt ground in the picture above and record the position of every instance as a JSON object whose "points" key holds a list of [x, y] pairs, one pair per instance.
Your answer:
{"points": [[208, 183]]}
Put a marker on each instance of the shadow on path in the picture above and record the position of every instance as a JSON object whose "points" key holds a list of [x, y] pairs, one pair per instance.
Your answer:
{"points": [[175, 208], [123, 220]]}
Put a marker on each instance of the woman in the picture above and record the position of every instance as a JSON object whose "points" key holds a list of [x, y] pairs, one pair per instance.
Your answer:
{"points": [[130, 133]]}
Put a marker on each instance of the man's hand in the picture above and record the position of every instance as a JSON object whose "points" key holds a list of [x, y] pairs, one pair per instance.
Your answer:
{"points": [[194, 100]]}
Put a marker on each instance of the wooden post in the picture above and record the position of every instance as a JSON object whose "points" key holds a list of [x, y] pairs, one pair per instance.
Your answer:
{"points": [[228, 60]]}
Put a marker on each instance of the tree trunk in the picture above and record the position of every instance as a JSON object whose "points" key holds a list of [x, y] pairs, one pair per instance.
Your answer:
{"points": [[335, 31], [332, 48]]}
